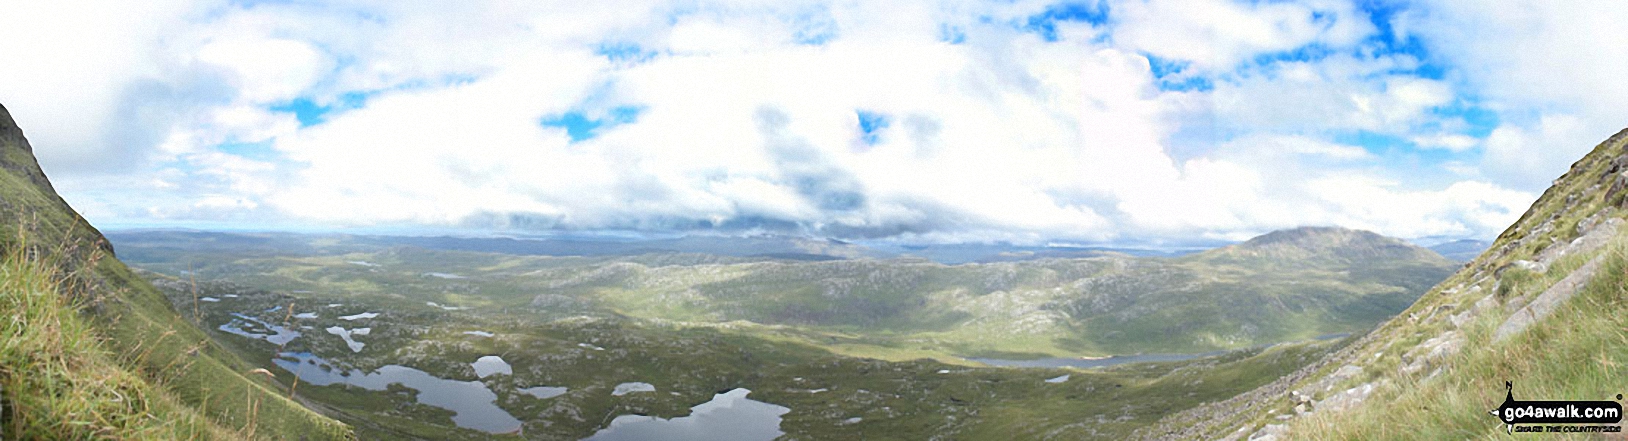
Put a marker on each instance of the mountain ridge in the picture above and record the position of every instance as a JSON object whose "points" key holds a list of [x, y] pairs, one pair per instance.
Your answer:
{"points": [[1320, 244]]}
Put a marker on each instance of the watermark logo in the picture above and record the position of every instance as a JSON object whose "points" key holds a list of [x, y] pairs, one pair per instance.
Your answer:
{"points": [[1549, 415]]}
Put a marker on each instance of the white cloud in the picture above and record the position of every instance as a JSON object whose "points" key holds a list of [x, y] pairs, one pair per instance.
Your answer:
{"points": [[1462, 209], [1268, 149], [748, 119], [1531, 157], [1339, 92], [1447, 141], [267, 71], [1550, 70], [76, 74], [1220, 34]]}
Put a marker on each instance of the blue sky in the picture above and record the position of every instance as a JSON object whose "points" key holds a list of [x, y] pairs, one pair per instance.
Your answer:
{"points": [[914, 121]]}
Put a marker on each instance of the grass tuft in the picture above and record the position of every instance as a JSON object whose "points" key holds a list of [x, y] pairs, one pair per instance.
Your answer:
{"points": [[58, 380]]}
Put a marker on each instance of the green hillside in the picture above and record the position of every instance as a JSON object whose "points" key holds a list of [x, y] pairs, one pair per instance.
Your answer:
{"points": [[1546, 308], [122, 345], [1285, 286], [587, 353]]}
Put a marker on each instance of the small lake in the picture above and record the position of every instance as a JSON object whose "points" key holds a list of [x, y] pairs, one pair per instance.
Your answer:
{"points": [[473, 404], [1116, 359], [1091, 362], [259, 330], [544, 391], [354, 317], [355, 346], [729, 416], [628, 388], [446, 307], [491, 365]]}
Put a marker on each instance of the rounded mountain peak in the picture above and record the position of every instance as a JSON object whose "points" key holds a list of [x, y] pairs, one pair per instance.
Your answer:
{"points": [[1325, 244], [1318, 237]]}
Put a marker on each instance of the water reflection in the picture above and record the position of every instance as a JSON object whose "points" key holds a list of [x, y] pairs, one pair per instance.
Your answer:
{"points": [[281, 335], [365, 315], [729, 416], [627, 388], [491, 365], [474, 406], [355, 346], [1091, 362], [544, 391], [1117, 359]]}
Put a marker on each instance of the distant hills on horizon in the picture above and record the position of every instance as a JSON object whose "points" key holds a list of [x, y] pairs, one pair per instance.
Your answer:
{"points": [[765, 246]]}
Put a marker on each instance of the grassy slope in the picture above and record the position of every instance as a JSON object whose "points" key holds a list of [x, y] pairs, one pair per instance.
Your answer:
{"points": [[145, 336], [62, 382], [1579, 352]]}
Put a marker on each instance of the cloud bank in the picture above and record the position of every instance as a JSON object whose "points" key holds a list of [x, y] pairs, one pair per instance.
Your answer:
{"points": [[937, 121]]}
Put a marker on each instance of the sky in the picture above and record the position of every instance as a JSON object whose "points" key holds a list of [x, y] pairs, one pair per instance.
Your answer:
{"points": [[912, 121]]}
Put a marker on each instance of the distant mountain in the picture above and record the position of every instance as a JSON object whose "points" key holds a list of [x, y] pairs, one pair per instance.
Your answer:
{"points": [[1537, 314], [1463, 250], [1321, 246], [147, 242], [951, 254]]}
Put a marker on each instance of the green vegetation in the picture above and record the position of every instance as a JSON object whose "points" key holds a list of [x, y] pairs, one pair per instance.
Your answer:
{"points": [[870, 336], [136, 326], [1323, 281], [1575, 354], [60, 381], [688, 363]]}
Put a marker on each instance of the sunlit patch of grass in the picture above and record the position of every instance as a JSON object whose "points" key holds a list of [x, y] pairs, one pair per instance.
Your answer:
{"points": [[1576, 353]]}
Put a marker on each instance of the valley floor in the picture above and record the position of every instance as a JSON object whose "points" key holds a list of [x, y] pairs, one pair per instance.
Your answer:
{"points": [[588, 360]]}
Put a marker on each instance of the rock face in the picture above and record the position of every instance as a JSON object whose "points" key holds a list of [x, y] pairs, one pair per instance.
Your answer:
{"points": [[1545, 303]]}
